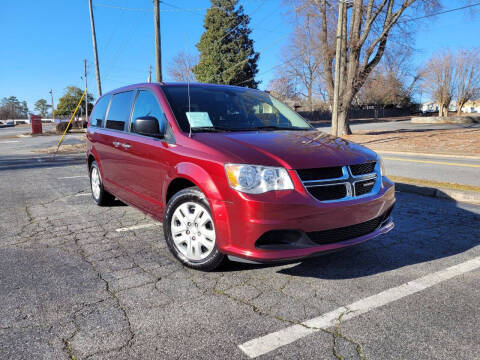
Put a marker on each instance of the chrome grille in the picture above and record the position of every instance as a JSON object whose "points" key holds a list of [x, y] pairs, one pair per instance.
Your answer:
{"points": [[342, 182]]}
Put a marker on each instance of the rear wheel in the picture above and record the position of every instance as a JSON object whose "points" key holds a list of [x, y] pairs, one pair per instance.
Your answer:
{"points": [[99, 194], [190, 231]]}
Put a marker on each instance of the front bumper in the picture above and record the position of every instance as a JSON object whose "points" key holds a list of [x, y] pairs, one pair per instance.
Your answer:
{"points": [[241, 223]]}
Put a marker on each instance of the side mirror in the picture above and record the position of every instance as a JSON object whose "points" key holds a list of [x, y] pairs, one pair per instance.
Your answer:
{"points": [[148, 126]]}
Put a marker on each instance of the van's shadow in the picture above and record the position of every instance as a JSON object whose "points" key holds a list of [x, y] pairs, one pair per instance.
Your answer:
{"points": [[426, 229]]}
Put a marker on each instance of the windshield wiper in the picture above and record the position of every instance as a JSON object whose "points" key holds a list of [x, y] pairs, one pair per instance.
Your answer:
{"points": [[272, 127], [210, 129]]}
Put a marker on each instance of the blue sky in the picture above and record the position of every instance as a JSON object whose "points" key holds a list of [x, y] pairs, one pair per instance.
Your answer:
{"points": [[44, 42]]}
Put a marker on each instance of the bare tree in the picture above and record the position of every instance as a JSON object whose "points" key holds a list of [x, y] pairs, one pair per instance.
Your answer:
{"points": [[467, 77], [302, 62], [283, 87], [392, 82], [439, 80], [383, 88], [180, 68], [368, 24]]}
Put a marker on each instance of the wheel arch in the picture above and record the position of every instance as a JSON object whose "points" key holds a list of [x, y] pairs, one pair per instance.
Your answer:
{"points": [[90, 160], [187, 174]]}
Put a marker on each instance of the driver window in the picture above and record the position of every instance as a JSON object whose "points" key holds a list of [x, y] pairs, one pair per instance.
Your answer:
{"points": [[147, 105]]}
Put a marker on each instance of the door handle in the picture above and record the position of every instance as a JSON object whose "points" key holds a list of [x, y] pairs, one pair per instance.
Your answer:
{"points": [[116, 143], [126, 146]]}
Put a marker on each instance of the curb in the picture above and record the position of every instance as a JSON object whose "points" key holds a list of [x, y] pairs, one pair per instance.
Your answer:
{"points": [[413, 154], [454, 119], [471, 197]]}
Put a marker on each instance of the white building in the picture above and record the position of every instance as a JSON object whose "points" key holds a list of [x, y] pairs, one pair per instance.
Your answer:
{"points": [[472, 106], [432, 106], [429, 107]]}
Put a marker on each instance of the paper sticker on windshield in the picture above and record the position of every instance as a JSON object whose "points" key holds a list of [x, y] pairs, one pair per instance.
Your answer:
{"points": [[199, 119]]}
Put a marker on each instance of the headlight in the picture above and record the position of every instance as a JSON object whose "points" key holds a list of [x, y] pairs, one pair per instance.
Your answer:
{"points": [[256, 179], [382, 167]]}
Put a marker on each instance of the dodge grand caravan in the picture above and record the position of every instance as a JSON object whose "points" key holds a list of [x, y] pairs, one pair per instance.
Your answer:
{"points": [[233, 172]]}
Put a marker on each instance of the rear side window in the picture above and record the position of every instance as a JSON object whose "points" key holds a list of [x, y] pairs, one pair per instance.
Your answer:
{"points": [[98, 114], [119, 111], [147, 105]]}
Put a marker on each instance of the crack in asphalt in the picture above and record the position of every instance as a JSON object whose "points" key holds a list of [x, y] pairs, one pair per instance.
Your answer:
{"points": [[92, 237], [86, 256]]}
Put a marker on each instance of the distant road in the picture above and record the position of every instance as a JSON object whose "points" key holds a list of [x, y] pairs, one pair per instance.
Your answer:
{"points": [[22, 129], [398, 125], [437, 168], [446, 169], [25, 145]]}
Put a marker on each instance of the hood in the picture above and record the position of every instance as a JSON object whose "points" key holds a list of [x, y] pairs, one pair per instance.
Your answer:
{"points": [[290, 149]]}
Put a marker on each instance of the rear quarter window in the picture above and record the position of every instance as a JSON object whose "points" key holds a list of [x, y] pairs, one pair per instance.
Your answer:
{"points": [[119, 111], [98, 114]]}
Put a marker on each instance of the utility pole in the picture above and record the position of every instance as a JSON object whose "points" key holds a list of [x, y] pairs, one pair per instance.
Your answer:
{"points": [[86, 90], [95, 53], [338, 61], [53, 111], [150, 74], [158, 41]]}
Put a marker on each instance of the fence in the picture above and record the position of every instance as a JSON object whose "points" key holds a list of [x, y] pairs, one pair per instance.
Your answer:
{"points": [[326, 115]]}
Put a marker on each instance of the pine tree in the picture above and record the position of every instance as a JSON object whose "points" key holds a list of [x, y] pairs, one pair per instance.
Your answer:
{"points": [[226, 50]]}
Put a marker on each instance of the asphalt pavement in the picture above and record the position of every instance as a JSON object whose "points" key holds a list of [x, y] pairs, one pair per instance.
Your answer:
{"points": [[23, 129], [451, 169], [14, 145], [87, 282]]}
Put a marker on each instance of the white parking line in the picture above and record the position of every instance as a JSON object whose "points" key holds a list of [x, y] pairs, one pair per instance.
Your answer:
{"points": [[272, 341], [8, 141], [83, 194], [136, 227], [72, 177]]}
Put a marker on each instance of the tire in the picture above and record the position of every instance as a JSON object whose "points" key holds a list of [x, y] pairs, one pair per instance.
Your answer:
{"points": [[190, 232], [99, 194]]}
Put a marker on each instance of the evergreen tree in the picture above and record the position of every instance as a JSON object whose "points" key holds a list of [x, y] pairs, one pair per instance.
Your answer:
{"points": [[68, 102], [226, 50], [42, 106]]}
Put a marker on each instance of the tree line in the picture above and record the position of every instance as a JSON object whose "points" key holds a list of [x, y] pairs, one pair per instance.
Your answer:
{"points": [[12, 108]]}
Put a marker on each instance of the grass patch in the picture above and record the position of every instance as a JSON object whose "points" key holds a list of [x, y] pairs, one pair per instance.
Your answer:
{"points": [[434, 184]]}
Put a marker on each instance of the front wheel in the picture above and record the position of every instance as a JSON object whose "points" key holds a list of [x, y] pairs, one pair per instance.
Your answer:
{"points": [[190, 231]]}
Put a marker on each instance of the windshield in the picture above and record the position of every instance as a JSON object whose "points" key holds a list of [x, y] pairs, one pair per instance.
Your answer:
{"points": [[213, 108]]}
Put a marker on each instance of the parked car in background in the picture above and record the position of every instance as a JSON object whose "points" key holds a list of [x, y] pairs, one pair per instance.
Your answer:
{"points": [[233, 172]]}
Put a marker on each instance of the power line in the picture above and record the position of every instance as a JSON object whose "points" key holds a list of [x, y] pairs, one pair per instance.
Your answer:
{"points": [[413, 19], [122, 8], [176, 8], [242, 22], [440, 13], [245, 60]]}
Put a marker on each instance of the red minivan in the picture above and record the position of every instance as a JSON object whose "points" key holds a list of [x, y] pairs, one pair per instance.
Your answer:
{"points": [[234, 173]]}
